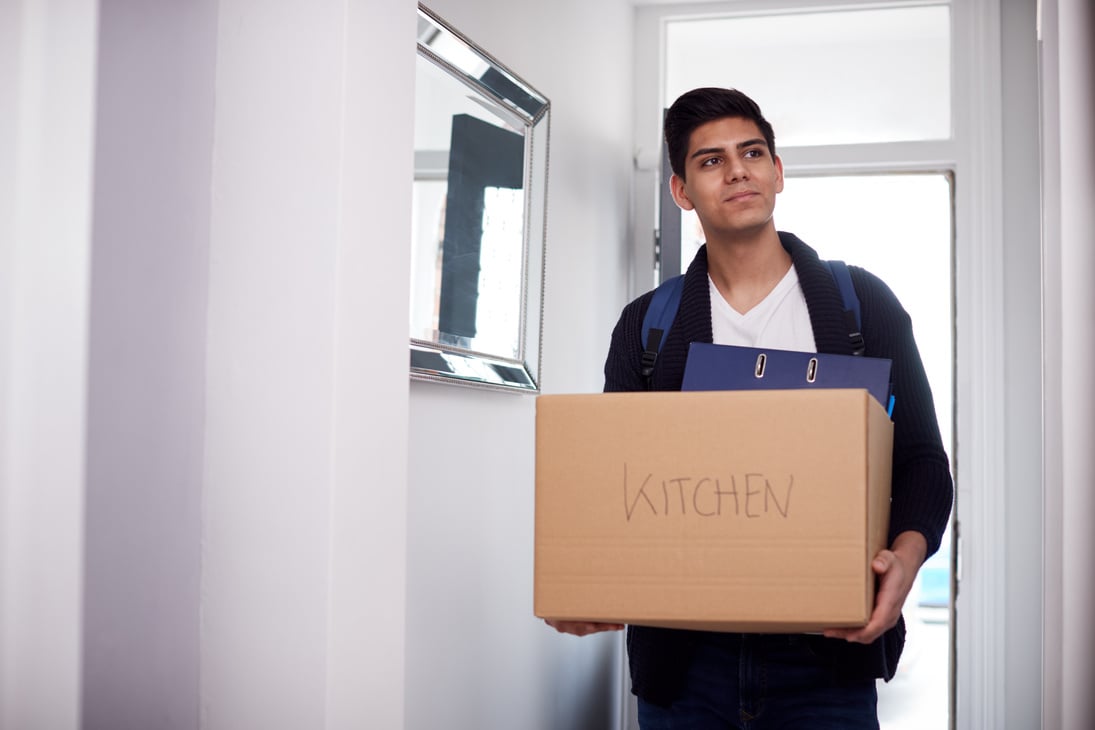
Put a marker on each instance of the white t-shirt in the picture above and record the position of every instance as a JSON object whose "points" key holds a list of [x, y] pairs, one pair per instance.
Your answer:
{"points": [[780, 321]]}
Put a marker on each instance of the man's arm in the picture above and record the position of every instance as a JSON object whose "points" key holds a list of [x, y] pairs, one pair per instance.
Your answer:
{"points": [[922, 489], [623, 365]]}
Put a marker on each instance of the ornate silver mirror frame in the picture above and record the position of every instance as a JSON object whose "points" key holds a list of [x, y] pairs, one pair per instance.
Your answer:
{"points": [[479, 225]]}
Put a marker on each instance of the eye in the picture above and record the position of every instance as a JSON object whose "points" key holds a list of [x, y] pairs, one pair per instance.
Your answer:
{"points": [[754, 153], [710, 162]]}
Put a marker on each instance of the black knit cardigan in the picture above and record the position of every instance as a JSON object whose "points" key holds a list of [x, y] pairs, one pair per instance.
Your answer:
{"points": [[922, 490]]}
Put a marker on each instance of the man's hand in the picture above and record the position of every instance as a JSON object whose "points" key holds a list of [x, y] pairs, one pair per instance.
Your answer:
{"points": [[581, 628], [897, 568]]}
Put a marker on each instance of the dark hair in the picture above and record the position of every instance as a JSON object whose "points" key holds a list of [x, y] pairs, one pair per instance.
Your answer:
{"points": [[699, 106]]}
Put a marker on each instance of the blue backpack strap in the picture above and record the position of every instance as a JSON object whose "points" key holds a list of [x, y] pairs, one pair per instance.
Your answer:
{"points": [[852, 314], [658, 320]]}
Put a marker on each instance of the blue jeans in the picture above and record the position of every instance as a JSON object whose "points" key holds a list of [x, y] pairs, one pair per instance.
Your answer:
{"points": [[763, 682]]}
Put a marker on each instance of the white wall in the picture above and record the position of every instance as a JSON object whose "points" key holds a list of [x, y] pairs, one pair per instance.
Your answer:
{"points": [[47, 85], [368, 507], [146, 386], [283, 244], [270, 365], [476, 657], [306, 400], [1068, 75]]}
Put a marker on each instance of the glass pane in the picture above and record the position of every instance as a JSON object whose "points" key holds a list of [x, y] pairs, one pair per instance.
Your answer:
{"points": [[499, 285], [841, 77], [498, 322]]}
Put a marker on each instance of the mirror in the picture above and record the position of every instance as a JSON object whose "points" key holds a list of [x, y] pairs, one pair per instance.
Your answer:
{"points": [[479, 215]]}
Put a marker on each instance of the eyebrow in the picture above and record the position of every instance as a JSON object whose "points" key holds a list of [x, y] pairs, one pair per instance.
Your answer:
{"points": [[740, 145]]}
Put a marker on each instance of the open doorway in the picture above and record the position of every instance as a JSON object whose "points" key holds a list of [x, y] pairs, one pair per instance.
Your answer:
{"points": [[861, 104]]}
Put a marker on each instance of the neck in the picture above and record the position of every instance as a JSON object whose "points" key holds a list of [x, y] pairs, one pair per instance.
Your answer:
{"points": [[746, 269]]}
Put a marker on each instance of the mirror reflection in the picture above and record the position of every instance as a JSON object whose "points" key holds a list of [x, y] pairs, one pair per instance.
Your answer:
{"points": [[478, 211]]}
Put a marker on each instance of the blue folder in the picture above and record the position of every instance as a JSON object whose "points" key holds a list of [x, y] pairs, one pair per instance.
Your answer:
{"points": [[728, 367]]}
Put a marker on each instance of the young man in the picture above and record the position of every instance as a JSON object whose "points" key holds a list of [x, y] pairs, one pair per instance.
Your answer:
{"points": [[751, 285]]}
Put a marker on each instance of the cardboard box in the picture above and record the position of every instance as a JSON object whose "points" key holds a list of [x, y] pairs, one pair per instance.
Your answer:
{"points": [[753, 511]]}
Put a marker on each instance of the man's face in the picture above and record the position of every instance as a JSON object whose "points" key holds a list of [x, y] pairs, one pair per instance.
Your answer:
{"points": [[732, 179]]}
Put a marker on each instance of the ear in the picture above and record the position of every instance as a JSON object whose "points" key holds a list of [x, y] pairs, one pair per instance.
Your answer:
{"points": [[676, 187], [779, 174]]}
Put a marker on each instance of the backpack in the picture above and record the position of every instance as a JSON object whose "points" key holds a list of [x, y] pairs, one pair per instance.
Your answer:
{"points": [[667, 299]]}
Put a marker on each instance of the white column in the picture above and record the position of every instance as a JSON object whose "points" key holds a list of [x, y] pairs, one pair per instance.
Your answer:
{"points": [[269, 365], [368, 560], [1068, 112], [47, 85], [146, 388], [304, 507], [1076, 29]]}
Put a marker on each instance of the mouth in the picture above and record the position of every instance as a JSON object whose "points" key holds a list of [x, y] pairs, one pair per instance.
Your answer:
{"points": [[741, 195]]}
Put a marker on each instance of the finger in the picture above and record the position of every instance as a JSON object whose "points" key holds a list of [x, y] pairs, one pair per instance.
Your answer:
{"points": [[585, 629], [581, 628], [595, 628], [563, 627], [867, 634], [862, 635]]}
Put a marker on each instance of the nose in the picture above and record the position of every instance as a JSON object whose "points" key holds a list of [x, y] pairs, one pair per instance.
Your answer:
{"points": [[735, 170]]}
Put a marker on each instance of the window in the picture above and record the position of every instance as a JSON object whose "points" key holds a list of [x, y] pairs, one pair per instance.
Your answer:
{"points": [[842, 77]]}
